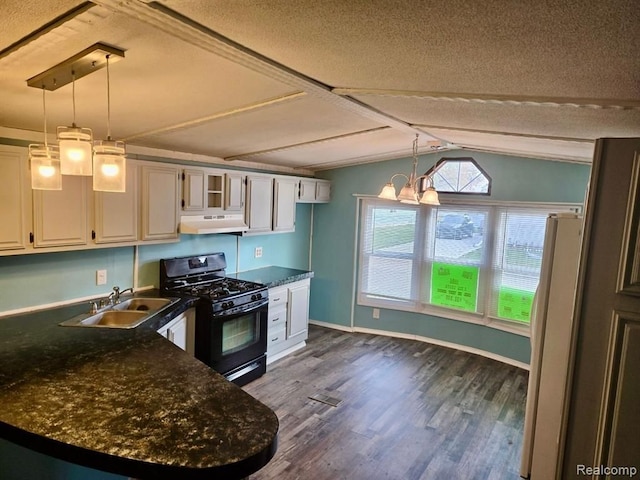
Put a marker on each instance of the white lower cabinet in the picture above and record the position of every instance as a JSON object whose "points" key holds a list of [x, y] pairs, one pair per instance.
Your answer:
{"points": [[181, 330], [288, 325]]}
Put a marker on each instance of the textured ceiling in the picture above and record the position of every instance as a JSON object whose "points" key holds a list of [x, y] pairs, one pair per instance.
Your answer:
{"points": [[310, 85]]}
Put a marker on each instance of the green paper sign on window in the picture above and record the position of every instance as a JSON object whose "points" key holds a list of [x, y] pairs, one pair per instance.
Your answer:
{"points": [[454, 286], [515, 304]]}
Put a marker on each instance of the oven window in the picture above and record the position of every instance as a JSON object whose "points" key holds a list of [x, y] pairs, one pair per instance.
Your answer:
{"points": [[239, 333]]}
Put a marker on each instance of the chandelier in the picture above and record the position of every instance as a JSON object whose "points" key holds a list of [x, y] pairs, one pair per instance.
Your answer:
{"points": [[409, 193]]}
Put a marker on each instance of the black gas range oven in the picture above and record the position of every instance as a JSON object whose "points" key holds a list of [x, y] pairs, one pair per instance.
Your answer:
{"points": [[231, 314]]}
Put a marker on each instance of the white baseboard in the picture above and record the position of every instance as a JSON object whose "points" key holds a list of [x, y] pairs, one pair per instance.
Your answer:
{"points": [[420, 338]]}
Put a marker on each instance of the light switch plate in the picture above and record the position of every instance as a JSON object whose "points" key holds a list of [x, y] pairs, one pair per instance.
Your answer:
{"points": [[101, 277], [258, 252]]}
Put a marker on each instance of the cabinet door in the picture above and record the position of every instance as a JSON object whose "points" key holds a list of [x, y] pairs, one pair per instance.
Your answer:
{"points": [[116, 214], [259, 203], [15, 199], [307, 190], [284, 204], [60, 216], [323, 191], [234, 192], [192, 189], [160, 205], [298, 304], [178, 334]]}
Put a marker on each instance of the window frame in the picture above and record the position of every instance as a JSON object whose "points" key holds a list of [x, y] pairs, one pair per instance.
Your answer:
{"points": [[486, 272]]}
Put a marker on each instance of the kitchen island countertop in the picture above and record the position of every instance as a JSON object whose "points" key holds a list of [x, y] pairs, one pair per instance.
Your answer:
{"points": [[274, 276], [126, 401]]}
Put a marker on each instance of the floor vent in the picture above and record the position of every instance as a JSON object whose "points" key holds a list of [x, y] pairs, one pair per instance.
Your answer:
{"points": [[319, 397]]}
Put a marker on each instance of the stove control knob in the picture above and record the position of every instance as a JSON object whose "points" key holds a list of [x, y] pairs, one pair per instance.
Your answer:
{"points": [[259, 295], [230, 304], [254, 297], [224, 305]]}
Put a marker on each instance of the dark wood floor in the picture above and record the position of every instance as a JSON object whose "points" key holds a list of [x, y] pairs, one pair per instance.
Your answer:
{"points": [[409, 410]]}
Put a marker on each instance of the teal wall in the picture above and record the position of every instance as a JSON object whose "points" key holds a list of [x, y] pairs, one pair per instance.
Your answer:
{"points": [[37, 279], [514, 179]]}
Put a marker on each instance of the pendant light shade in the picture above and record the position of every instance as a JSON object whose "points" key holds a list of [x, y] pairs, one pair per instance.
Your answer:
{"points": [[109, 166], [109, 160], [45, 167], [75, 144], [75, 150], [44, 161]]}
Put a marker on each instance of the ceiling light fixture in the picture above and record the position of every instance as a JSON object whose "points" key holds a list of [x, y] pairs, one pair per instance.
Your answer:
{"points": [[44, 160], [109, 161], [409, 193], [79, 156], [75, 144]]}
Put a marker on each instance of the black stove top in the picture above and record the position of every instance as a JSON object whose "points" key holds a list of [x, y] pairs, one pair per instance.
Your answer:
{"points": [[203, 276]]}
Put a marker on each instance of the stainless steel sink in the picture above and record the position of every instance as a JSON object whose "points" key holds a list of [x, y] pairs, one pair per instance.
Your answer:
{"points": [[116, 319], [127, 314], [142, 304]]}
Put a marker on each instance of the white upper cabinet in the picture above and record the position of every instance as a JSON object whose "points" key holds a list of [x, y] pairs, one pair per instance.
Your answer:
{"points": [[313, 190], [60, 216], [160, 205], [15, 199], [212, 191], [234, 192], [192, 190], [259, 203], [285, 191], [116, 214]]}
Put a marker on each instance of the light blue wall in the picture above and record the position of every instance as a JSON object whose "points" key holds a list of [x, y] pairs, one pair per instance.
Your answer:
{"points": [[514, 179], [38, 279]]}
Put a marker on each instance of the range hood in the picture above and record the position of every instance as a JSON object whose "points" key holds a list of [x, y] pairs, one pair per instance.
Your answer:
{"points": [[202, 224]]}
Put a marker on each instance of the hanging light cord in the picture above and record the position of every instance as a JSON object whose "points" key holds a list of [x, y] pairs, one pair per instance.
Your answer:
{"points": [[73, 96], [44, 110], [108, 102]]}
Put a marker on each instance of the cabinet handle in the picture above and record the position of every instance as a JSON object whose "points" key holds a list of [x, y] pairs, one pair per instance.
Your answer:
{"points": [[275, 339], [302, 189], [276, 299], [275, 319]]}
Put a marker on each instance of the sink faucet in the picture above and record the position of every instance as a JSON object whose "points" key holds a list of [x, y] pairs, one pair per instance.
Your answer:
{"points": [[115, 295]]}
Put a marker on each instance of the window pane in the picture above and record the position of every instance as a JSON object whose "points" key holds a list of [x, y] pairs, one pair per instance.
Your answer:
{"points": [[518, 263], [458, 254], [388, 247]]}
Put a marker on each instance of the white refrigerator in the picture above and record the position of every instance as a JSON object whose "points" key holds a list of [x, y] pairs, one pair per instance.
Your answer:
{"points": [[551, 330]]}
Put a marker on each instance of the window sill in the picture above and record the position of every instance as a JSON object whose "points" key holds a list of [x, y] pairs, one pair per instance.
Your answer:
{"points": [[448, 314]]}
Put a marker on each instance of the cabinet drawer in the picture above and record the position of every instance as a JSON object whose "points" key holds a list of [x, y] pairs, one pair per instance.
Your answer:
{"points": [[277, 316], [277, 335], [277, 296]]}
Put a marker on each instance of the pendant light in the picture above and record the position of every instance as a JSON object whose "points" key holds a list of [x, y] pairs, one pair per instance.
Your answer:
{"points": [[109, 161], [75, 144], [45, 161], [409, 193]]}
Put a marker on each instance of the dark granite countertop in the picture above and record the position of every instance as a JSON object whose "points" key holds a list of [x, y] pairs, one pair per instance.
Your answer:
{"points": [[274, 276], [126, 401]]}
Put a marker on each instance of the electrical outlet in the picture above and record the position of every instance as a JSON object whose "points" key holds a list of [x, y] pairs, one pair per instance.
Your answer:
{"points": [[258, 252], [101, 277], [376, 313]]}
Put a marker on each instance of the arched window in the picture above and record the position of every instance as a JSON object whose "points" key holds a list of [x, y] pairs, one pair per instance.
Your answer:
{"points": [[458, 175]]}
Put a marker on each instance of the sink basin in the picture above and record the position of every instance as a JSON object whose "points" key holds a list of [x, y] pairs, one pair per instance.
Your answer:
{"points": [[142, 304], [126, 314], [116, 318]]}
